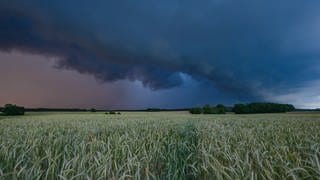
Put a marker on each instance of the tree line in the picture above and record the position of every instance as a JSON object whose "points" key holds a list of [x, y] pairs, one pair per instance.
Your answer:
{"points": [[254, 108], [208, 109], [12, 110], [251, 108]]}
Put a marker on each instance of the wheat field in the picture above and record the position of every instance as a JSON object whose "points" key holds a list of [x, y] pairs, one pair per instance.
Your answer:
{"points": [[160, 145]]}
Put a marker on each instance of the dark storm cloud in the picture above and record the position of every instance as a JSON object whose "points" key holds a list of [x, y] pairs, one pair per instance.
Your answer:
{"points": [[246, 48], [19, 31]]}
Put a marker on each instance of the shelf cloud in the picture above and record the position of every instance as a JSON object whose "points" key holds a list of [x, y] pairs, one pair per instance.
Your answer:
{"points": [[248, 49]]}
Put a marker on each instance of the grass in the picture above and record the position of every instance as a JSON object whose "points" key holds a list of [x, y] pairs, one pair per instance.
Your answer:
{"points": [[172, 145]]}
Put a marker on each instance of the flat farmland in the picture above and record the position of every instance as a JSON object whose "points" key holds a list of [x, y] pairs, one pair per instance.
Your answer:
{"points": [[160, 145]]}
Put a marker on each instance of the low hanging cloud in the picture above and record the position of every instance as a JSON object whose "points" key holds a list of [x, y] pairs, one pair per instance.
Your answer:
{"points": [[245, 48]]}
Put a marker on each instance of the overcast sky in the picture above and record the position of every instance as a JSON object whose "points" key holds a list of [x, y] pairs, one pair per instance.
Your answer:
{"points": [[150, 53]]}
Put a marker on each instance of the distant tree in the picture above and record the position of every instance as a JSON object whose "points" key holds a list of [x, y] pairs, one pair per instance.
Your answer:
{"points": [[207, 109], [93, 110], [290, 108], [240, 109], [112, 112], [119, 113], [1, 113], [13, 110], [195, 110], [221, 109]]}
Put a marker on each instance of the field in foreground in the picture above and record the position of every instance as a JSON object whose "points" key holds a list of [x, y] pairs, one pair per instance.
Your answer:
{"points": [[172, 145]]}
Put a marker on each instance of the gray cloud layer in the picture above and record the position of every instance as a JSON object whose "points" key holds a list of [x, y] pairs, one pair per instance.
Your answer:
{"points": [[245, 48]]}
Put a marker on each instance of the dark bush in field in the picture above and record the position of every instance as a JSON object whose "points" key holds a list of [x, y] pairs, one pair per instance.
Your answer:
{"points": [[12, 110], [93, 110], [254, 108]]}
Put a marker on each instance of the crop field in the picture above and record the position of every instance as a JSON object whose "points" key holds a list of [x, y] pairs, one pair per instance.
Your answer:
{"points": [[160, 145]]}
